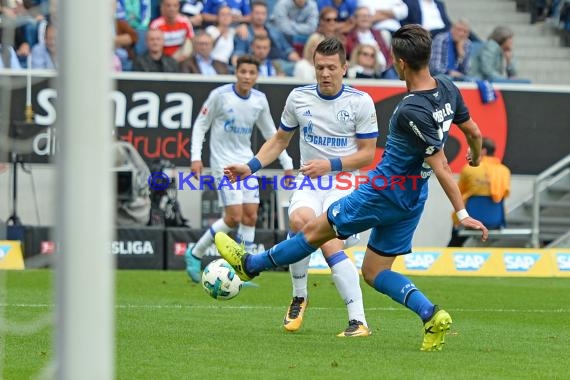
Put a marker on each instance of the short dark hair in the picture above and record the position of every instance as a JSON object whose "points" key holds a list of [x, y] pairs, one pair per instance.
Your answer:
{"points": [[247, 58], [258, 3], [260, 37], [412, 43], [331, 46], [489, 146]]}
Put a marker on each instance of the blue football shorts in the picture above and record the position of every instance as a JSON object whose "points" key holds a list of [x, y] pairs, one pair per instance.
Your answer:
{"points": [[392, 227]]}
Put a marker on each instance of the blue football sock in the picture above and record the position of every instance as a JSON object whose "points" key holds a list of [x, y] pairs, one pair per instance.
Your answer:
{"points": [[287, 252], [402, 290]]}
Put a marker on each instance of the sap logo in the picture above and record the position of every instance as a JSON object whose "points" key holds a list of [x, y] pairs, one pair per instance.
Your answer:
{"points": [[563, 261], [132, 247], [4, 249], [318, 261], [420, 261], [470, 261], [519, 262]]}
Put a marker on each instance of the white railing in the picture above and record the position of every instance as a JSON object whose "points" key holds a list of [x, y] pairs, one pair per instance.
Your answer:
{"points": [[539, 183], [562, 241]]}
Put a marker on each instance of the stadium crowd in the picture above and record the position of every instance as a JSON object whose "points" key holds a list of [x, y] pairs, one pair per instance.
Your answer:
{"points": [[207, 36]]}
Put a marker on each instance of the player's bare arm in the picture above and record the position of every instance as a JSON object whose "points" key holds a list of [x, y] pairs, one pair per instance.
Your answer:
{"points": [[362, 157], [266, 155], [442, 171], [474, 140]]}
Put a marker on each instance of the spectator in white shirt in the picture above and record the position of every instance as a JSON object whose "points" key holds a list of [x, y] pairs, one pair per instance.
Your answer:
{"points": [[223, 34], [386, 14]]}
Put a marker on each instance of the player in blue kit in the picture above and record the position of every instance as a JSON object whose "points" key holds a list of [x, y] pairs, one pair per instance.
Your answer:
{"points": [[392, 204]]}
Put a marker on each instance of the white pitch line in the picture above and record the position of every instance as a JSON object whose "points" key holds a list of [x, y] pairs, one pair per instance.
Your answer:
{"points": [[222, 305]]}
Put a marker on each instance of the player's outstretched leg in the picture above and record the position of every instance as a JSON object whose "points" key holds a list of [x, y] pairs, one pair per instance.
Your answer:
{"points": [[248, 266], [435, 329], [233, 253]]}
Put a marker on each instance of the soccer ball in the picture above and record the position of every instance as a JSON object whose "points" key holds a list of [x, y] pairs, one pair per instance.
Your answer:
{"points": [[220, 280]]}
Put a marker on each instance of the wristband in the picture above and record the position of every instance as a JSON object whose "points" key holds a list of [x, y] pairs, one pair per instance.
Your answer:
{"points": [[336, 164], [462, 214], [254, 165]]}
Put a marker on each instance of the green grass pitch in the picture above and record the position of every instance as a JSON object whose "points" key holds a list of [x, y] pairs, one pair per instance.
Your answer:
{"points": [[168, 328]]}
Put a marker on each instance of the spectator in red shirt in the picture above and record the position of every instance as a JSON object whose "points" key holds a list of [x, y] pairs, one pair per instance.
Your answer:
{"points": [[177, 30]]}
